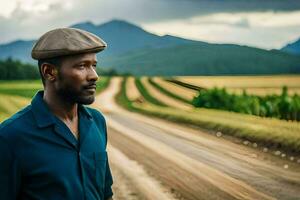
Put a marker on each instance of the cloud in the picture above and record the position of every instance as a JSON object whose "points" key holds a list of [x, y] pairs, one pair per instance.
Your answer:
{"points": [[199, 19], [244, 22], [220, 19], [156, 10], [260, 29], [247, 19]]}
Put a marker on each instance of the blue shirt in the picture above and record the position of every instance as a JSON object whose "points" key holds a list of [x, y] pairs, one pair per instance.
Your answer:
{"points": [[40, 159]]}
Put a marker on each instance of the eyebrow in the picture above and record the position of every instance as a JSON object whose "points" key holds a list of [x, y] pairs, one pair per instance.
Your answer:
{"points": [[84, 61]]}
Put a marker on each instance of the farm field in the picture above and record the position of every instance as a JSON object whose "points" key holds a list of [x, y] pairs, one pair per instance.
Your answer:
{"points": [[190, 146], [26, 88], [271, 132], [169, 101], [15, 95], [132, 92], [259, 85], [9, 104], [184, 93]]}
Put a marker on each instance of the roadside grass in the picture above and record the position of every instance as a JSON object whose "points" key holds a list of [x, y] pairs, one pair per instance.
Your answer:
{"points": [[146, 94], [272, 133], [102, 83], [121, 97], [168, 93]]}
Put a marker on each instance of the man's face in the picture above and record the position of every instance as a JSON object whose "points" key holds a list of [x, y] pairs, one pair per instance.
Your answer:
{"points": [[76, 80]]}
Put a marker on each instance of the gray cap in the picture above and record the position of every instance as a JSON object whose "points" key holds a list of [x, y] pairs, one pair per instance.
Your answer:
{"points": [[66, 41]]}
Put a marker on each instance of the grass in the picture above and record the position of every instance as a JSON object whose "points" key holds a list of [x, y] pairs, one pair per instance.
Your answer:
{"points": [[183, 84], [257, 85], [10, 104], [274, 81], [273, 133], [26, 88], [122, 98], [102, 83], [17, 94], [29, 88], [168, 93], [146, 94]]}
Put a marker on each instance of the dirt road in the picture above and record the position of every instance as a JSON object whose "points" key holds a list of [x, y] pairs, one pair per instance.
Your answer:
{"points": [[156, 159]]}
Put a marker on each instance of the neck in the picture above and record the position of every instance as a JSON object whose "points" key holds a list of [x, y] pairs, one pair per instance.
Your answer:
{"points": [[63, 109]]}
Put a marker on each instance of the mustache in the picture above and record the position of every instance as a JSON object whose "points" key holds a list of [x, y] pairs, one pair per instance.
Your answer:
{"points": [[91, 85]]}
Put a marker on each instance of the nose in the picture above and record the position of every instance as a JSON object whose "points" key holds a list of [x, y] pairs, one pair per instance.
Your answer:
{"points": [[92, 74]]}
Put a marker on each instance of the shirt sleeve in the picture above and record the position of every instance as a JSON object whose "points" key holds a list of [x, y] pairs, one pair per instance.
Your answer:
{"points": [[9, 176]]}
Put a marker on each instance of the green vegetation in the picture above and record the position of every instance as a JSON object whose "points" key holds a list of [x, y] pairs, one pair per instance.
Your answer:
{"points": [[146, 94], [15, 70], [273, 133], [193, 87], [279, 134], [106, 71], [122, 98], [102, 83], [204, 59], [26, 88], [279, 106], [11, 69], [16, 94], [168, 93]]}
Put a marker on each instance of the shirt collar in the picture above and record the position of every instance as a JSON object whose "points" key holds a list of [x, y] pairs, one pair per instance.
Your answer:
{"points": [[42, 113], [84, 110]]}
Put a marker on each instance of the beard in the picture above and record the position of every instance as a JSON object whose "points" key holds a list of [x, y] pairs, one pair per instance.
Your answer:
{"points": [[76, 96], [82, 94]]}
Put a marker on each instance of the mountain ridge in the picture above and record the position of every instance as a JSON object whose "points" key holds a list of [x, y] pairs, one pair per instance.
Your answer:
{"points": [[132, 49], [293, 48]]}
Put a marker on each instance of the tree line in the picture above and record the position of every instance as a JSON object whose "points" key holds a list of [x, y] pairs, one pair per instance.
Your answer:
{"points": [[11, 69], [280, 106]]}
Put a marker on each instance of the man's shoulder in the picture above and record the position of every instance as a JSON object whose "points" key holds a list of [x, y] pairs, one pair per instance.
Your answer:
{"points": [[16, 122], [96, 114]]}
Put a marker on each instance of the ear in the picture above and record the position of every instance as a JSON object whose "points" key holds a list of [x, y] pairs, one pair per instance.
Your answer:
{"points": [[49, 72]]}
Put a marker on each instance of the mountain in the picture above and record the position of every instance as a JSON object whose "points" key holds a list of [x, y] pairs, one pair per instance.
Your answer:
{"points": [[205, 59], [122, 37], [293, 48], [20, 49], [132, 49]]}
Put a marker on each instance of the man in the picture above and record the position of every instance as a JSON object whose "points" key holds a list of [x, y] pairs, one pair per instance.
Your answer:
{"points": [[55, 148]]}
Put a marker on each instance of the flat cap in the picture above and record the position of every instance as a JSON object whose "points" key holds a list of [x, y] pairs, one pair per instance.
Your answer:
{"points": [[66, 41]]}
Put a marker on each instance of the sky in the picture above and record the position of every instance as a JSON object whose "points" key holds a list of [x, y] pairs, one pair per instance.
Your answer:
{"points": [[268, 24]]}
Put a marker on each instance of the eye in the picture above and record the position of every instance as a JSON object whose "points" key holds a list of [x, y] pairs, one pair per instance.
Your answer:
{"points": [[81, 66], [95, 65]]}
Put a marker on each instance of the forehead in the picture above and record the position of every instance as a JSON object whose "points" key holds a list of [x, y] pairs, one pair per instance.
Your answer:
{"points": [[86, 57]]}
